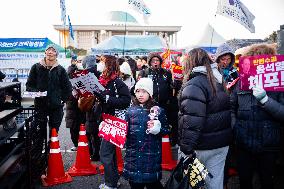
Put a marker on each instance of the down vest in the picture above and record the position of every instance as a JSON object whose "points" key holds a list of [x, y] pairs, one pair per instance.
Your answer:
{"points": [[257, 127], [204, 120]]}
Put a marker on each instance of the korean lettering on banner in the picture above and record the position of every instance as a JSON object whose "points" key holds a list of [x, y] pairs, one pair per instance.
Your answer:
{"points": [[177, 72], [22, 42], [86, 83], [266, 71], [113, 130]]}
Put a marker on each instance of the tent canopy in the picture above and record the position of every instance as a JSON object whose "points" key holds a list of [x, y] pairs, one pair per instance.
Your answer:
{"points": [[26, 45], [209, 41], [132, 44]]}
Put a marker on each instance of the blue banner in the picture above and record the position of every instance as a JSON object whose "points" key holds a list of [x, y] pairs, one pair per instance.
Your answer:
{"points": [[29, 43]]}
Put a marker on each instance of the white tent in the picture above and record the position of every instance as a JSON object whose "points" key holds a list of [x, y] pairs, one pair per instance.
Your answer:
{"points": [[209, 40]]}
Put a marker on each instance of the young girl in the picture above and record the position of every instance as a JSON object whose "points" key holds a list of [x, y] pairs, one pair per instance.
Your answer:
{"points": [[146, 125]]}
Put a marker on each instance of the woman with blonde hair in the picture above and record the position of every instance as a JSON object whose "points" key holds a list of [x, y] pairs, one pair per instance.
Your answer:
{"points": [[257, 122]]}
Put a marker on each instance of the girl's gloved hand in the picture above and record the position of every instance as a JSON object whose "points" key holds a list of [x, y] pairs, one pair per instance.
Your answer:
{"points": [[260, 94], [154, 127]]}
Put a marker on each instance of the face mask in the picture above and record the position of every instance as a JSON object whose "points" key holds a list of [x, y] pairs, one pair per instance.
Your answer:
{"points": [[100, 67], [79, 66]]}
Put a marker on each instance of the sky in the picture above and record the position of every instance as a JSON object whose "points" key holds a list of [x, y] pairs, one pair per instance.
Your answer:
{"points": [[35, 18]]}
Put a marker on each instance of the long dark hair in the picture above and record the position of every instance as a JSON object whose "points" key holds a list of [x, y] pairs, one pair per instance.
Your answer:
{"points": [[148, 104], [111, 66], [199, 57]]}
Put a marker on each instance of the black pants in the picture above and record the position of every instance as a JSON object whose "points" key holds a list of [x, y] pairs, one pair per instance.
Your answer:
{"points": [[51, 116], [248, 163], [108, 159], [74, 132], [92, 128], [153, 185]]}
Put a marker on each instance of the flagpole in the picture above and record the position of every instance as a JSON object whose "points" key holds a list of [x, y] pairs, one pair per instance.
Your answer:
{"points": [[124, 34], [212, 35], [64, 38]]}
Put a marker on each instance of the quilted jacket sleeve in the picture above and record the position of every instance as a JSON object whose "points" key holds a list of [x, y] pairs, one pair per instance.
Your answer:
{"points": [[192, 117], [276, 108]]}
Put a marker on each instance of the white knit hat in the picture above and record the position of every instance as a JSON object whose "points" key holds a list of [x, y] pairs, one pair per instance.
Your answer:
{"points": [[146, 84], [125, 68]]}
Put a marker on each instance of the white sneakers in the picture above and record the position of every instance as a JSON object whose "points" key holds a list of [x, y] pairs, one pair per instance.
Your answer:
{"points": [[73, 149], [104, 186]]}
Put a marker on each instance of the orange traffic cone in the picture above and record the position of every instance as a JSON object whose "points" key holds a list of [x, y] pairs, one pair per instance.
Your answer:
{"points": [[55, 170], [83, 165], [167, 161], [119, 162]]}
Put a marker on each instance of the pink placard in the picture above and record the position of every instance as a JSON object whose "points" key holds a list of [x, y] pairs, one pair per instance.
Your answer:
{"points": [[113, 130], [265, 70]]}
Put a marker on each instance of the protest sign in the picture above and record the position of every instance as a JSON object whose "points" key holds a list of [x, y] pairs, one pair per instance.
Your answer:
{"points": [[266, 71], [113, 130], [86, 83], [177, 72], [28, 94]]}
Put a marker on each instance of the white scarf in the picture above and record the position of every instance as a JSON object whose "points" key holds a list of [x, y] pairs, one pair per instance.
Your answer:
{"points": [[202, 69]]}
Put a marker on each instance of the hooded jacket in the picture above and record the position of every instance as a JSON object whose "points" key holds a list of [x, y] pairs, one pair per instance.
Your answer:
{"points": [[229, 73], [162, 79]]}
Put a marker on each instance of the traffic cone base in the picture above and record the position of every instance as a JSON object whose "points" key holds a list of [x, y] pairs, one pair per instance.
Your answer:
{"points": [[55, 171], [91, 170], [54, 181], [83, 165], [102, 170], [170, 166], [167, 161]]}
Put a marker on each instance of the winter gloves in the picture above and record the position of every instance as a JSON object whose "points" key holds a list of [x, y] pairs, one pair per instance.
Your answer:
{"points": [[102, 96], [155, 129], [260, 94]]}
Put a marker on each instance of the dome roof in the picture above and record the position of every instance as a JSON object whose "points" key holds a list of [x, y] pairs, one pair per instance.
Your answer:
{"points": [[120, 16]]}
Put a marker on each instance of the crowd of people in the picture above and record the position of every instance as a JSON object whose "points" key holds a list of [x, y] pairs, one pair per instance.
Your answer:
{"points": [[203, 116]]}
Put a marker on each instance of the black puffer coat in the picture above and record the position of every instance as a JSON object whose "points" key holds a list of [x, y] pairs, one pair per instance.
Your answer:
{"points": [[204, 120], [119, 100], [257, 127], [55, 81], [162, 84]]}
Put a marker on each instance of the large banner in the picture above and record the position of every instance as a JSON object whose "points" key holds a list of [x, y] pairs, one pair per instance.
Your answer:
{"points": [[28, 43], [266, 71]]}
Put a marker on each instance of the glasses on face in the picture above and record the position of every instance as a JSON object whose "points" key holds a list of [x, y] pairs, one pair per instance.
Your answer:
{"points": [[225, 59], [155, 60], [50, 50]]}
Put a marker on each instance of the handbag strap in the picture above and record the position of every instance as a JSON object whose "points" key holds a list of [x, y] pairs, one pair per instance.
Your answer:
{"points": [[115, 89]]}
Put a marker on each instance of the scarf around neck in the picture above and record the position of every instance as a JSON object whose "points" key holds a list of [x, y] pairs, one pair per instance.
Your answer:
{"points": [[104, 81], [214, 67]]}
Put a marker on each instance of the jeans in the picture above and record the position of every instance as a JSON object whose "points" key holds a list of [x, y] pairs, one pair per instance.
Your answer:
{"points": [[108, 159], [214, 161]]}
